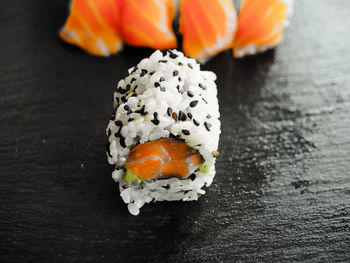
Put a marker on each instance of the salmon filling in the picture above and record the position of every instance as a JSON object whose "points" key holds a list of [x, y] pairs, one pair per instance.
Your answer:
{"points": [[163, 158]]}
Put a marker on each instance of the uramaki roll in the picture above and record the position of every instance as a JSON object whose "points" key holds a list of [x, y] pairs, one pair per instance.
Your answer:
{"points": [[163, 136]]}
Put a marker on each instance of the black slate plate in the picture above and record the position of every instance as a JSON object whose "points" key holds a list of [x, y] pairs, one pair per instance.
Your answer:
{"points": [[282, 188]]}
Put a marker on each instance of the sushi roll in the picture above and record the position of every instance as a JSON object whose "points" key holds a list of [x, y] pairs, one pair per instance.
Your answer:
{"points": [[164, 133]]}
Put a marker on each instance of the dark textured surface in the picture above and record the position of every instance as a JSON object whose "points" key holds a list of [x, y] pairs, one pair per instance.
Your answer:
{"points": [[282, 190]]}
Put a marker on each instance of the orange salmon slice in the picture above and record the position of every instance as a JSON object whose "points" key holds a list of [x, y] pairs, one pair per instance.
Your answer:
{"points": [[94, 26], [260, 26], [148, 23], [163, 158], [208, 26]]}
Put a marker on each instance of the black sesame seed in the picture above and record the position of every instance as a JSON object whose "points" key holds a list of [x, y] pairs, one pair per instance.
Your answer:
{"points": [[180, 64], [192, 177], [182, 116], [122, 141], [134, 69], [194, 103], [123, 99], [126, 107], [118, 123], [130, 119], [141, 111], [207, 125], [132, 80], [172, 55], [169, 111], [156, 84], [189, 115], [163, 61], [195, 122], [190, 65], [156, 122], [202, 86], [178, 87], [151, 73], [190, 94], [155, 115], [179, 79], [117, 134], [186, 132], [127, 87], [175, 73], [161, 79], [143, 72]]}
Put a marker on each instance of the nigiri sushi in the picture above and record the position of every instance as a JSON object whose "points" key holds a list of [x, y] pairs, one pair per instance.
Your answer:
{"points": [[260, 25], [163, 136], [208, 27], [148, 23], [94, 25]]}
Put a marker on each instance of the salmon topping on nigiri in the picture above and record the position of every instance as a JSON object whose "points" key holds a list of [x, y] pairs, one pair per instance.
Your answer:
{"points": [[94, 26], [148, 23], [163, 158], [207, 26], [260, 25]]}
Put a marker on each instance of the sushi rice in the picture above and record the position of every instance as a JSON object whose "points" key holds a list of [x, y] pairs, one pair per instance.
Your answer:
{"points": [[164, 96]]}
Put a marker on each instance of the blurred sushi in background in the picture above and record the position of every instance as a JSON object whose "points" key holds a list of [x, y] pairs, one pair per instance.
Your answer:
{"points": [[101, 26], [208, 26], [260, 25], [94, 26], [148, 23]]}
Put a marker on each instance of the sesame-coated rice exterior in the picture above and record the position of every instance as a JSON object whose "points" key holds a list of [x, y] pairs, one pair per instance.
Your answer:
{"points": [[164, 96]]}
